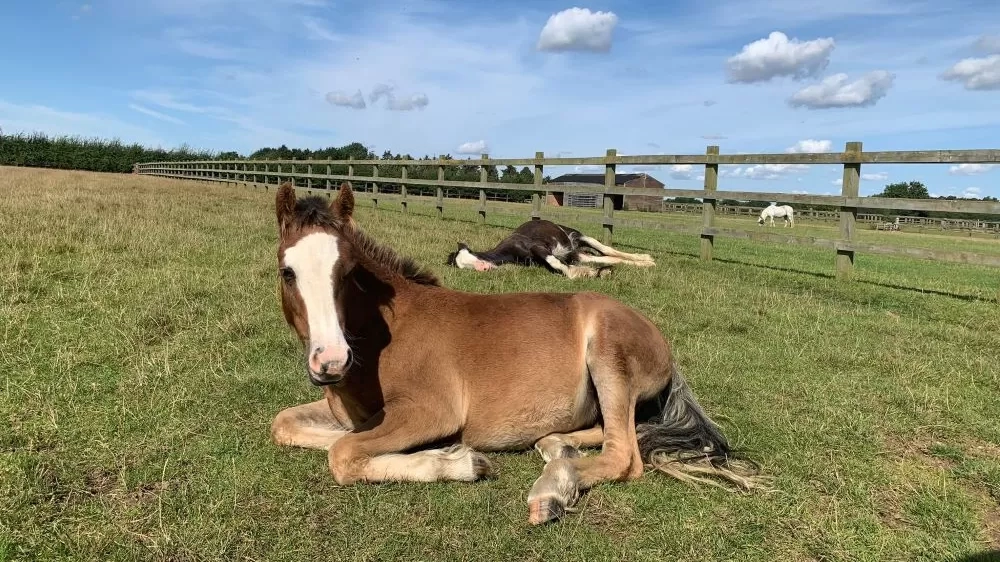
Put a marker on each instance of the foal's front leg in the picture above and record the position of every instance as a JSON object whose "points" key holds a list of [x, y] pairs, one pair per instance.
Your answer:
{"points": [[311, 426], [374, 454]]}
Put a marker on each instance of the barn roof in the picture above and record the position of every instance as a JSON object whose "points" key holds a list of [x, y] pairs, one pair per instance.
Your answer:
{"points": [[597, 178]]}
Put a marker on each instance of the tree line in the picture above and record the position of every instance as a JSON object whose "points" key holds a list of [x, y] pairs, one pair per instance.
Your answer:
{"points": [[388, 170], [100, 155]]}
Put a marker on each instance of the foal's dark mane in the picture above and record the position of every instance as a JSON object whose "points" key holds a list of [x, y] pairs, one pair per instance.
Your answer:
{"points": [[315, 211]]}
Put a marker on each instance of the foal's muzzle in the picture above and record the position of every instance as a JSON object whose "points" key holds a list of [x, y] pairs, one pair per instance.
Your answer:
{"points": [[327, 365], [325, 380]]}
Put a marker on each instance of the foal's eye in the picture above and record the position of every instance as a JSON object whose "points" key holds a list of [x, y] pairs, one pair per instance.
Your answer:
{"points": [[288, 275]]}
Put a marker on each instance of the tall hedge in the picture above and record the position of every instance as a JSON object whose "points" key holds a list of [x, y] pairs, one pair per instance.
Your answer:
{"points": [[90, 154]]}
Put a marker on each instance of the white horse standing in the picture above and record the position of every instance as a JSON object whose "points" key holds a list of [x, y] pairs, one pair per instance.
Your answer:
{"points": [[783, 211]]}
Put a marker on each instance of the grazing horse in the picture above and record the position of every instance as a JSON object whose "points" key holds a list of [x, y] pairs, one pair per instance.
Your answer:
{"points": [[558, 248], [420, 380], [778, 211]]}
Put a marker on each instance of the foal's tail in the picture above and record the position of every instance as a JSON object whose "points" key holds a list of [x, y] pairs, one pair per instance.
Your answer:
{"points": [[684, 443]]}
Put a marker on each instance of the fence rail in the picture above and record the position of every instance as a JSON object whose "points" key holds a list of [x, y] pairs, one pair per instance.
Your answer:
{"points": [[260, 172]]}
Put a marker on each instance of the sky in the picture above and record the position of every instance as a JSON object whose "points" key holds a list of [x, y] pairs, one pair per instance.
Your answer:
{"points": [[509, 78]]}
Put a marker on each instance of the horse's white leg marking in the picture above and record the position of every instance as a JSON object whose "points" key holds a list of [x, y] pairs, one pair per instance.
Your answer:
{"points": [[572, 271], [567, 445], [602, 260], [311, 426], [311, 437], [611, 252], [557, 488], [312, 259], [454, 463]]}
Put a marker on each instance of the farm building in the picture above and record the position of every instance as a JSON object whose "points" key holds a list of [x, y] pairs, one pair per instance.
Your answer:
{"points": [[650, 202]]}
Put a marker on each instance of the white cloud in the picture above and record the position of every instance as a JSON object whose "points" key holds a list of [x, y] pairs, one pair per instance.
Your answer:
{"points": [[156, 114], [838, 181], [168, 100], [714, 137], [316, 30], [989, 44], [876, 176], [392, 103], [777, 56], [473, 147], [837, 92], [408, 103], [682, 172], [380, 91], [341, 99], [188, 42], [810, 145], [972, 193], [82, 11], [578, 29], [976, 73], [969, 169], [800, 192], [764, 171]]}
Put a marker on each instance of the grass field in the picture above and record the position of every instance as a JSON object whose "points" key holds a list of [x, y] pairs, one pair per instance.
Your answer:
{"points": [[144, 355]]}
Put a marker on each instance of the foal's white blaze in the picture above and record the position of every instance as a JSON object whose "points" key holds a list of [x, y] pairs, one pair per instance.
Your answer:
{"points": [[312, 259]]}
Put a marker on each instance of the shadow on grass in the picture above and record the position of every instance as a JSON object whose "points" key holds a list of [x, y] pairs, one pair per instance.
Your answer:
{"points": [[985, 556]]}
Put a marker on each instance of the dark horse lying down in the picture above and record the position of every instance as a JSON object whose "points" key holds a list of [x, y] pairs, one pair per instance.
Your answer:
{"points": [[558, 248]]}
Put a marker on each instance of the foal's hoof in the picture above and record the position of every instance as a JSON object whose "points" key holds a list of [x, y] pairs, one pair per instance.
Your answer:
{"points": [[481, 466], [543, 510]]}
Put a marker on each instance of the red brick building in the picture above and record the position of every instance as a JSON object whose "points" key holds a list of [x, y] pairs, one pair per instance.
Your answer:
{"points": [[652, 202]]}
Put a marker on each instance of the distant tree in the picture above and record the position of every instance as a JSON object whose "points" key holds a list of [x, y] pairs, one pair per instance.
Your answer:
{"points": [[526, 175], [905, 190]]}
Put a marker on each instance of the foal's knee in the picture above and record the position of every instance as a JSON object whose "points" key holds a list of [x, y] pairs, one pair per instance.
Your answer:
{"points": [[283, 427], [343, 464]]}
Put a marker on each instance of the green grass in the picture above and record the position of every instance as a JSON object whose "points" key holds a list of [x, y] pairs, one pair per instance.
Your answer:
{"points": [[144, 355]]}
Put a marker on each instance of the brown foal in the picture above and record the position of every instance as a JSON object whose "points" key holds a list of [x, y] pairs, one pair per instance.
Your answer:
{"points": [[420, 380]]}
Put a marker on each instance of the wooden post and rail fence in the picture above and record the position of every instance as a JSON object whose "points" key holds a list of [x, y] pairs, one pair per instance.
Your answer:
{"points": [[248, 172]]}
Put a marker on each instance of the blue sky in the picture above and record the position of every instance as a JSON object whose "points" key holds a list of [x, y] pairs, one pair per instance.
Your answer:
{"points": [[572, 79]]}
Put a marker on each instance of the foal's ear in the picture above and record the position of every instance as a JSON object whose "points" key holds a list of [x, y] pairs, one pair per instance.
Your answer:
{"points": [[284, 205], [343, 205]]}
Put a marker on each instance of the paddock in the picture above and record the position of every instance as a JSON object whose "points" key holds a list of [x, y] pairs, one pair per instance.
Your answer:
{"points": [[145, 356]]}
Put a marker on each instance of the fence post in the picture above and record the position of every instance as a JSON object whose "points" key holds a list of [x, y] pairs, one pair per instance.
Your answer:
{"points": [[482, 192], [440, 190], [329, 172], [375, 186], [309, 171], [609, 204], [402, 187], [848, 214], [536, 198], [709, 205], [277, 177], [350, 169]]}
